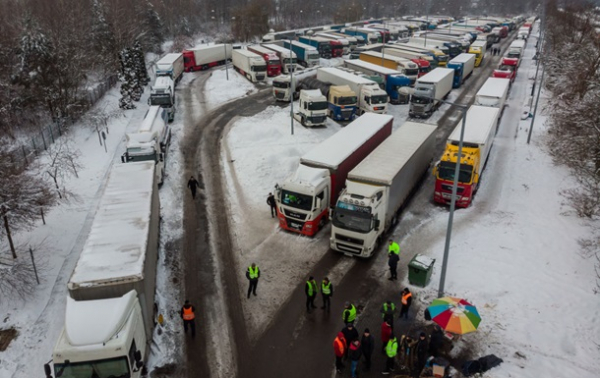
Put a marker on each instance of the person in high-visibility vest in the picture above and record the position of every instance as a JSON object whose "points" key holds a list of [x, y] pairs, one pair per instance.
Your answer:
{"points": [[391, 350], [311, 293], [188, 315], [327, 292], [406, 302], [252, 274], [339, 348], [394, 248], [349, 313], [388, 309]]}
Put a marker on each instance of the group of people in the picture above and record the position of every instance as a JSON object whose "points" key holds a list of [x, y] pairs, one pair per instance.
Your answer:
{"points": [[495, 50], [311, 290]]}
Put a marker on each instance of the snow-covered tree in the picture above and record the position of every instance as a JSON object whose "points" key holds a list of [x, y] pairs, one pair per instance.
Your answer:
{"points": [[154, 33], [140, 64], [129, 80]]}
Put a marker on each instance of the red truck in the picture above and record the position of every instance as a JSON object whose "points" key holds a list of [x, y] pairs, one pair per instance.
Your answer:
{"points": [[272, 60], [305, 198], [424, 66], [337, 49], [205, 57], [512, 58], [505, 72]]}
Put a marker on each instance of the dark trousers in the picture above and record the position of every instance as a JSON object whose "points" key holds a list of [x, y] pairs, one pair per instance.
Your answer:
{"points": [[310, 302], [192, 325], [418, 368], [326, 301], [367, 361], [193, 189], [394, 272], [404, 312], [252, 286], [389, 364], [273, 212], [338, 363]]}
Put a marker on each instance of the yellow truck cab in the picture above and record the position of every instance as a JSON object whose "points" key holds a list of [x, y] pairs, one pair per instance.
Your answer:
{"points": [[478, 48]]}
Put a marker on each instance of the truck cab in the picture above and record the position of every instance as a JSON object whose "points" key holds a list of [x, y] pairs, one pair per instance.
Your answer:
{"points": [[478, 48], [505, 71], [468, 177], [512, 58], [162, 94], [342, 102], [313, 108], [373, 99]]}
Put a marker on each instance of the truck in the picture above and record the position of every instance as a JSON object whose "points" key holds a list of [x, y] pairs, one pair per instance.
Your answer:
{"points": [[271, 59], [512, 58], [439, 57], [493, 93], [170, 65], [109, 315], [480, 130], [517, 45], [352, 40], [430, 88], [505, 71], [322, 45], [204, 57], [282, 84], [370, 36], [150, 141], [305, 198], [162, 94], [429, 44], [249, 64], [460, 40], [523, 33], [408, 68], [371, 98], [378, 188], [342, 101], [395, 82], [307, 55], [288, 60], [478, 48], [422, 61], [312, 108], [344, 42], [449, 47], [463, 66]]}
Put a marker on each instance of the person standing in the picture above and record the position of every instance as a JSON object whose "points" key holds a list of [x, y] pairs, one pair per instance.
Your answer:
{"points": [[393, 259], [355, 354], [193, 185], [339, 348], [272, 204], [327, 292], [406, 302], [435, 341], [311, 293], [386, 333], [407, 346], [421, 351], [349, 314], [391, 350], [188, 315], [388, 309], [367, 344], [252, 274], [394, 248]]}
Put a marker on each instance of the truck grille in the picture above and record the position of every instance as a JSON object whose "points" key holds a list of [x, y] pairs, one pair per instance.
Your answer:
{"points": [[346, 113], [347, 248], [319, 119], [349, 239], [279, 95], [260, 77], [295, 225], [294, 215], [448, 188]]}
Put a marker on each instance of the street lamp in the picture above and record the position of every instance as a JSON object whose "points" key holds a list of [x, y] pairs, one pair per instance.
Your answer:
{"points": [[463, 109], [292, 89]]}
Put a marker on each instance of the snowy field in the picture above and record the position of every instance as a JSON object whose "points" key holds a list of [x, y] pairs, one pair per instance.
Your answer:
{"points": [[219, 89]]}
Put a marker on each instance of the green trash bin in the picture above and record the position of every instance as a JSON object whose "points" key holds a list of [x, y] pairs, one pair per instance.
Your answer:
{"points": [[420, 269]]}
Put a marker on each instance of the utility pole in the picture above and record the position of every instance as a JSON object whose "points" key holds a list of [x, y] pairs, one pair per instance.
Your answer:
{"points": [[292, 90]]}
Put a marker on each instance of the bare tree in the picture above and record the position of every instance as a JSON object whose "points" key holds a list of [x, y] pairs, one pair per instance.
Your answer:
{"points": [[62, 161], [18, 277]]}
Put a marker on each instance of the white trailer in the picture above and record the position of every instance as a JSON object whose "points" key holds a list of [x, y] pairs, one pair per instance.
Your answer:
{"points": [[204, 57], [249, 64], [371, 98], [170, 65], [163, 94], [110, 308], [150, 141], [379, 187], [493, 93], [288, 60], [517, 45], [385, 59], [429, 89]]}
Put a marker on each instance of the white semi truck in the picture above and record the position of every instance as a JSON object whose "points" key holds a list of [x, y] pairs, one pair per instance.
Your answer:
{"points": [[371, 98], [150, 141], [170, 65], [304, 199], [283, 85], [379, 187], [288, 60], [429, 89], [110, 305], [163, 94], [249, 64], [493, 93], [313, 108]]}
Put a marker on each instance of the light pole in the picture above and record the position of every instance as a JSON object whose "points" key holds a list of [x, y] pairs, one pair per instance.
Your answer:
{"points": [[292, 89], [463, 109]]}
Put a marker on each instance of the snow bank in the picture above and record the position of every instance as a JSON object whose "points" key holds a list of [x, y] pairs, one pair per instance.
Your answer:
{"points": [[219, 90]]}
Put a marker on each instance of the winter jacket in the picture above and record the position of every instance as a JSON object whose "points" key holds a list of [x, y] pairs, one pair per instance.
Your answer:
{"points": [[355, 351], [186, 306], [368, 344], [339, 345], [271, 201], [386, 332], [422, 349], [393, 260], [248, 274], [407, 351], [350, 335], [435, 342]]}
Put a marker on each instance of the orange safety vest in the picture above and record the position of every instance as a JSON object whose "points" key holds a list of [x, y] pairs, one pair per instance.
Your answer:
{"points": [[188, 314], [340, 344], [405, 298]]}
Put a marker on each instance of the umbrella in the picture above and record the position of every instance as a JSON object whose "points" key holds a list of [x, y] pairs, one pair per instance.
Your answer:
{"points": [[454, 315]]}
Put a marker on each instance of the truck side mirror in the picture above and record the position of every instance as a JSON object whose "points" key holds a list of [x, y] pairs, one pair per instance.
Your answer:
{"points": [[476, 178], [47, 370], [162, 156], [318, 204], [148, 100], [377, 223], [123, 158]]}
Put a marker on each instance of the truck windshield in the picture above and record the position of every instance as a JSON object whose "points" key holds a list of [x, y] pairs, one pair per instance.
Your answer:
{"points": [[296, 200], [446, 172], [313, 56], [110, 368], [262, 68], [161, 100], [321, 105], [347, 100], [281, 84], [274, 62], [514, 55], [381, 99], [411, 71], [353, 220], [420, 100], [139, 154]]}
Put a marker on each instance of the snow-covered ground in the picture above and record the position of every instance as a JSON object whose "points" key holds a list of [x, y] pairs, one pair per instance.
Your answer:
{"points": [[220, 90]]}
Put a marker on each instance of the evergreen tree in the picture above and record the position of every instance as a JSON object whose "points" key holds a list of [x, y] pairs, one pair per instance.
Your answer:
{"points": [[129, 78], [103, 38], [154, 27], [140, 64]]}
